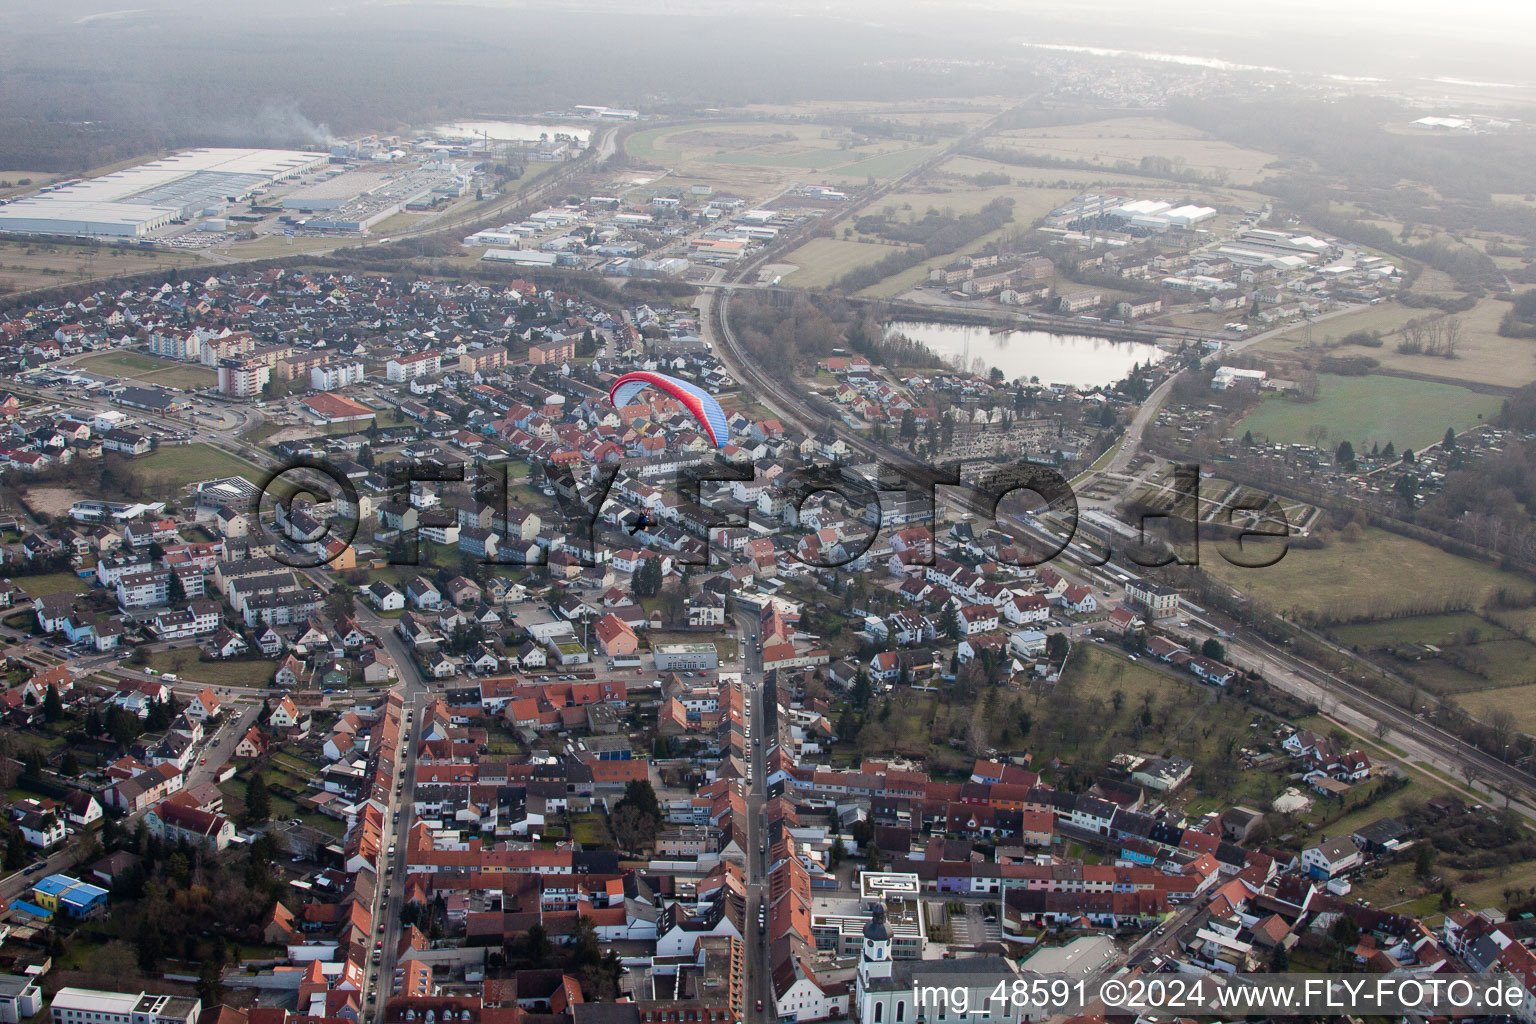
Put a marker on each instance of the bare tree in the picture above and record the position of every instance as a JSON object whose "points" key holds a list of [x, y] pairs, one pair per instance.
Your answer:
{"points": [[1436, 339], [1502, 722], [1451, 337]]}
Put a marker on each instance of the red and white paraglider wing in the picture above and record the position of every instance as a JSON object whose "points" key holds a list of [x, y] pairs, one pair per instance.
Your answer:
{"points": [[692, 397]]}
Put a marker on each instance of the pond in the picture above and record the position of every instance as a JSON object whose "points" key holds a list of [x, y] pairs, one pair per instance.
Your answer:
{"points": [[1081, 360]]}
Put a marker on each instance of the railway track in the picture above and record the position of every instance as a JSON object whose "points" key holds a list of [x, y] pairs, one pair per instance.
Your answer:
{"points": [[792, 407]]}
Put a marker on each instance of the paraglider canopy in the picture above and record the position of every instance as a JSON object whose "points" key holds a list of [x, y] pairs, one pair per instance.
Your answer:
{"points": [[693, 398]]}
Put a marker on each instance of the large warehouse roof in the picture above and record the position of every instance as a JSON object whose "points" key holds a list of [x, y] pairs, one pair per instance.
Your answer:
{"points": [[139, 199]]}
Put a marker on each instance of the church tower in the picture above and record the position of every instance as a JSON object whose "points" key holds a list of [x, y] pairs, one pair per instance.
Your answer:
{"points": [[875, 957]]}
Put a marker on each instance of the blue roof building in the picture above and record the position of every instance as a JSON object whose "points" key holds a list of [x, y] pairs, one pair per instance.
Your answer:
{"points": [[70, 895]]}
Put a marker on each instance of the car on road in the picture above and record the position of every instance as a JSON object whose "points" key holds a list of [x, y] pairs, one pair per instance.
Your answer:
{"points": [[202, 760], [759, 1005]]}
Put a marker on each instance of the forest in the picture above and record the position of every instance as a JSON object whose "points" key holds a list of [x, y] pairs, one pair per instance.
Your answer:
{"points": [[149, 78]]}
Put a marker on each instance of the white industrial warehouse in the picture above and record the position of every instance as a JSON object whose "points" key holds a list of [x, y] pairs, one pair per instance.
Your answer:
{"points": [[136, 201]]}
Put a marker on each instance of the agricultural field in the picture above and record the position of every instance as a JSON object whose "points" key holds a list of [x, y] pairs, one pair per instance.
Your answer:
{"points": [[939, 114], [958, 198], [11, 182], [1483, 356], [167, 470], [150, 370], [1368, 410], [1484, 665], [758, 158], [1519, 701], [28, 265], [1379, 575], [1128, 139], [821, 261]]}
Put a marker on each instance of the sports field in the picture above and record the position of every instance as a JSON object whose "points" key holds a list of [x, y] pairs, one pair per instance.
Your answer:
{"points": [[167, 470], [1370, 410], [150, 369]]}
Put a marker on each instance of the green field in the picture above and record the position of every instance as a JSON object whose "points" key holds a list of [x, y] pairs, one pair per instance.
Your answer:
{"points": [[1371, 578], [150, 369], [1419, 629], [173, 467], [1370, 410], [1484, 665], [53, 583], [186, 663], [590, 829], [888, 165], [823, 260]]}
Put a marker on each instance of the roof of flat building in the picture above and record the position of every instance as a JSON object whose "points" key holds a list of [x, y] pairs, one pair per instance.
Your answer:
{"points": [[96, 1000]]}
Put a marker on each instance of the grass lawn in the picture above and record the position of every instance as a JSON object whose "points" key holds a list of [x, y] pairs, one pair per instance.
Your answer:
{"points": [[184, 661], [591, 828], [1371, 410], [291, 762], [1418, 629], [173, 467], [53, 583], [151, 369], [823, 260], [325, 823], [1379, 574], [262, 431]]}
